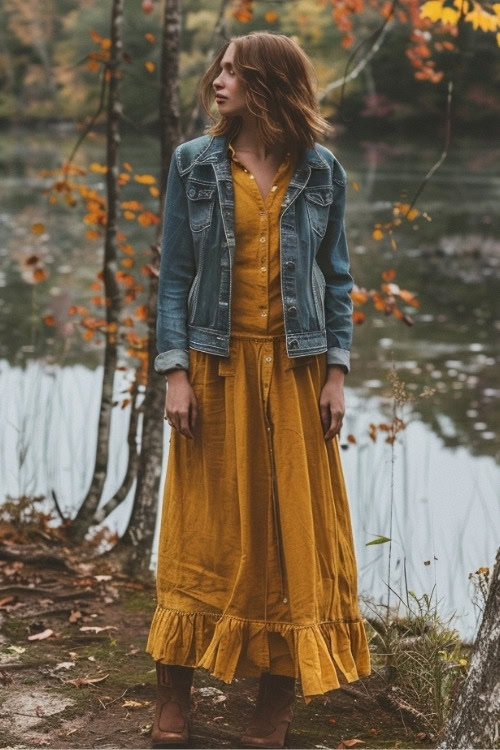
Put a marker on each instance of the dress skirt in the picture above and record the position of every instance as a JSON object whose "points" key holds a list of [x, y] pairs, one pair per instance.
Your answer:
{"points": [[256, 564]]}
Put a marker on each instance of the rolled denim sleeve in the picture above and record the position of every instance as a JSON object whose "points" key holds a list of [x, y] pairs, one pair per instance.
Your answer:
{"points": [[333, 259], [177, 271]]}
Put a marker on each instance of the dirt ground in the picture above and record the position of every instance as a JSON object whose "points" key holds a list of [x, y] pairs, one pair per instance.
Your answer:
{"points": [[87, 682]]}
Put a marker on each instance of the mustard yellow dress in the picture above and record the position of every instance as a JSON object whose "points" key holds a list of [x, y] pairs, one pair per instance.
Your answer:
{"points": [[256, 564]]}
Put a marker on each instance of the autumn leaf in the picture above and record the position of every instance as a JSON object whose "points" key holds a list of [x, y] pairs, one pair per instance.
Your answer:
{"points": [[92, 234], [96, 167], [271, 16], [351, 743], [97, 629], [377, 234], [128, 166], [38, 228], [388, 274], [358, 317], [145, 179], [141, 312], [41, 636], [80, 681], [150, 38], [49, 320], [39, 274]]}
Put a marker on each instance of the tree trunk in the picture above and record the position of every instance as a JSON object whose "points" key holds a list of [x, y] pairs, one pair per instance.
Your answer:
{"points": [[475, 719], [112, 293], [136, 544], [218, 37]]}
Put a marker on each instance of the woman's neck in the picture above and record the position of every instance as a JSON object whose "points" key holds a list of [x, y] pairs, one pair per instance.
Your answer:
{"points": [[248, 141]]}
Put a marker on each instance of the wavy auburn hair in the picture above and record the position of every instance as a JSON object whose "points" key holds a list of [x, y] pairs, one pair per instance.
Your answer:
{"points": [[280, 83]]}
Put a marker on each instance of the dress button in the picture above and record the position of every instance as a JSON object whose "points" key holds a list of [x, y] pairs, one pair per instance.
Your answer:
{"points": [[263, 314], [262, 239], [269, 359], [262, 268]]}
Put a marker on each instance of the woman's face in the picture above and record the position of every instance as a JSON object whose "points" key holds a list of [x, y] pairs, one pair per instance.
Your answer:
{"points": [[229, 89]]}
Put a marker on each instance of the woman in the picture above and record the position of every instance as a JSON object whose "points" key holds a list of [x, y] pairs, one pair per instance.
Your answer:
{"points": [[256, 568]]}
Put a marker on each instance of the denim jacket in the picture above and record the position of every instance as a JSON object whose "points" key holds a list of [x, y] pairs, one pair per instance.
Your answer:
{"points": [[197, 255]]}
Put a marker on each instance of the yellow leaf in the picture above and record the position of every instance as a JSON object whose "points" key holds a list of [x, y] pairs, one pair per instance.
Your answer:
{"points": [[38, 228], [128, 166], [150, 66], [154, 192], [271, 16], [432, 9], [95, 167], [355, 185], [377, 234], [449, 15], [92, 234], [93, 66], [150, 37], [128, 215]]}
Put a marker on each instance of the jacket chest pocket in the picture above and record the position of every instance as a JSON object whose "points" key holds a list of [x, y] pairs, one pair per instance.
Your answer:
{"points": [[318, 201], [201, 200]]}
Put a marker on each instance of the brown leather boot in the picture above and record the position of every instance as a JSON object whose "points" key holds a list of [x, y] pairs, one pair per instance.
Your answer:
{"points": [[273, 712], [173, 703]]}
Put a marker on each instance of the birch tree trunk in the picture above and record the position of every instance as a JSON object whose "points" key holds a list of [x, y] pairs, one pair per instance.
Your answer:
{"points": [[112, 293], [475, 719], [136, 543]]}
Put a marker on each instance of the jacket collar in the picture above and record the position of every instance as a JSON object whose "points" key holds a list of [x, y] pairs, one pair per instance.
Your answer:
{"points": [[217, 149]]}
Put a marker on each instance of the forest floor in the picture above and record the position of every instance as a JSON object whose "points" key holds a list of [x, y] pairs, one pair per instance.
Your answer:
{"points": [[86, 680]]}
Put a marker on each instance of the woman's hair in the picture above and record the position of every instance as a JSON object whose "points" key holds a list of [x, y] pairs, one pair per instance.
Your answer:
{"points": [[280, 83]]}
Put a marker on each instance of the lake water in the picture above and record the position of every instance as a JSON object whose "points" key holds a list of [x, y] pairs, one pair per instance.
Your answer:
{"points": [[442, 481]]}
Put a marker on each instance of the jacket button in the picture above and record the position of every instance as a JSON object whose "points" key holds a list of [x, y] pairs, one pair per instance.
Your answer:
{"points": [[290, 264], [292, 311], [294, 344], [191, 192]]}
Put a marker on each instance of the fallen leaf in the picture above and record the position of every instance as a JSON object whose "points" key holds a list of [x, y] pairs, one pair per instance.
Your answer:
{"points": [[64, 665], [40, 636], [351, 743], [97, 629], [79, 681]]}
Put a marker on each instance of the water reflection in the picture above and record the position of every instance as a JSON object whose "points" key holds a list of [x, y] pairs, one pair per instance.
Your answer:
{"points": [[450, 257]]}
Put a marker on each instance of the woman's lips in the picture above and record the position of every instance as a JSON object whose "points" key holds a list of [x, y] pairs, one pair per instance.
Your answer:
{"points": [[220, 98]]}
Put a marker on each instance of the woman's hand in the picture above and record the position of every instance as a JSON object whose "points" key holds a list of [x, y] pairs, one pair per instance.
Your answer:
{"points": [[331, 401], [181, 406]]}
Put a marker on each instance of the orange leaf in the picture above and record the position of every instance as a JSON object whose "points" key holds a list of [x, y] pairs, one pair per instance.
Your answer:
{"points": [[131, 205], [141, 312], [39, 274], [359, 297], [92, 234], [271, 16], [389, 274], [154, 192], [150, 66], [128, 166], [49, 320], [87, 335], [377, 234], [38, 228], [96, 167], [150, 37], [95, 36], [127, 262], [145, 179], [350, 439], [358, 317], [95, 285]]}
